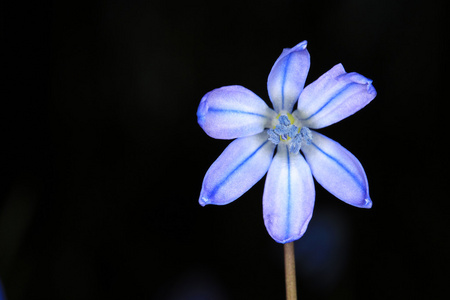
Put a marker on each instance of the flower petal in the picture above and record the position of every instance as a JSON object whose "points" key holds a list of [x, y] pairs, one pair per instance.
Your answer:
{"points": [[287, 77], [289, 194], [337, 170], [333, 97], [242, 164], [233, 111]]}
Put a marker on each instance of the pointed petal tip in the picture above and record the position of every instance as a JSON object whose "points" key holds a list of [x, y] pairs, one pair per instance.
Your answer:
{"points": [[301, 45], [358, 78], [204, 200], [367, 203], [371, 89]]}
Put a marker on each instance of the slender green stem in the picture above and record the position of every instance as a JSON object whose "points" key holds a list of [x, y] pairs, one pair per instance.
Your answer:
{"points": [[289, 270]]}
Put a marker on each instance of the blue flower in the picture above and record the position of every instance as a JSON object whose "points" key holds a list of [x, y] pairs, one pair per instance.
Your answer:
{"points": [[234, 112]]}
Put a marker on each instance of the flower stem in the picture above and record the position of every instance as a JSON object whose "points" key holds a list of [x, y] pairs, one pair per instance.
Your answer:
{"points": [[289, 270]]}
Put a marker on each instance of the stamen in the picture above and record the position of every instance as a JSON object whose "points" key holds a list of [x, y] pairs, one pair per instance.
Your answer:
{"points": [[284, 120], [273, 137], [296, 143], [289, 133], [306, 134], [293, 130], [281, 129]]}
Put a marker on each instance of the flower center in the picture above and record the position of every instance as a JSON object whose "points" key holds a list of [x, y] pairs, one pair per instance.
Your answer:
{"points": [[288, 133]]}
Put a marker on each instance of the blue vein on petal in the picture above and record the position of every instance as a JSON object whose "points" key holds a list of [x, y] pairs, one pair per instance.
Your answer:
{"points": [[283, 82], [224, 180], [288, 217], [353, 176], [338, 93], [235, 111]]}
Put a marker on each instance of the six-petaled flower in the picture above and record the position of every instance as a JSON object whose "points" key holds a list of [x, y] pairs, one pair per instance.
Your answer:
{"points": [[234, 112]]}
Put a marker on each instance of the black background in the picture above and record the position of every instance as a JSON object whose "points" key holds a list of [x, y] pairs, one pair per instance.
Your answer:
{"points": [[103, 158]]}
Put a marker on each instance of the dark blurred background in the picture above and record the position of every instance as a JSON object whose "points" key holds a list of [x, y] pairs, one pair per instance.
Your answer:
{"points": [[103, 159]]}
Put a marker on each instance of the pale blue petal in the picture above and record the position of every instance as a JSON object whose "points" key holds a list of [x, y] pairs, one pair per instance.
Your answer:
{"points": [[287, 77], [337, 170], [233, 111], [242, 164], [333, 97], [288, 199]]}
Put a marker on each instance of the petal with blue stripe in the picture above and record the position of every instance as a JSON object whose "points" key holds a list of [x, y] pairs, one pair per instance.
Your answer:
{"points": [[242, 164], [288, 199], [287, 77], [233, 111], [337, 170], [333, 97]]}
